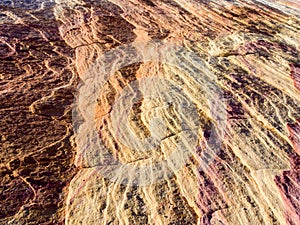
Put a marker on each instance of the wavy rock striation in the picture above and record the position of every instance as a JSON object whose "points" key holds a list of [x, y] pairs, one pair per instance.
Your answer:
{"points": [[36, 85], [250, 177], [187, 112]]}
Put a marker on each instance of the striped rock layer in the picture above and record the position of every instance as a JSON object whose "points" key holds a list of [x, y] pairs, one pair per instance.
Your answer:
{"points": [[186, 112]]}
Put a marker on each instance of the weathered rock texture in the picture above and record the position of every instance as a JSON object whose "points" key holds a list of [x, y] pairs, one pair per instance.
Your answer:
{"points": [[251, 48], [36, 86]]}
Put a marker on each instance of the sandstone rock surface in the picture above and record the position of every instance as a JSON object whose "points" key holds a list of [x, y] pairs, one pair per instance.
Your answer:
{"points": [[150, 112]]}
